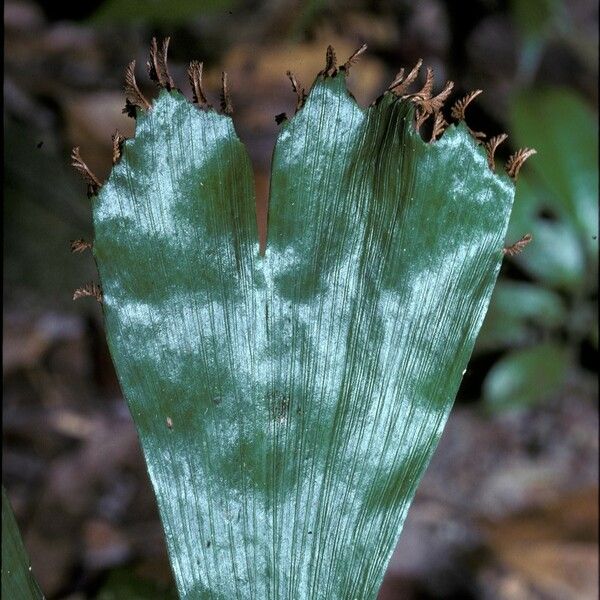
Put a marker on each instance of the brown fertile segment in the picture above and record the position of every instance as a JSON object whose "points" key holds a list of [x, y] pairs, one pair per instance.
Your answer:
{"points": [[518, 246], [117, 146], [354, 58], [80, 245], [195, 77], [490, 148], [458, 108], [157, 65], [133, 97], [92, 181], [439, 126], [436, 103], [400, 85], [330, 62], [398, 78], [226, 105], [427, 89], [89, 290], [420, 117], [516, 160], [298, 90]]}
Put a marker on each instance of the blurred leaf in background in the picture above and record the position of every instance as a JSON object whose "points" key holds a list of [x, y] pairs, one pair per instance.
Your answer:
{"points": [[553, 301]]}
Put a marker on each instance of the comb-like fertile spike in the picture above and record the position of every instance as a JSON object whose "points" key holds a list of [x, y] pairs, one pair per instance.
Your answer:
{"points": [[439, 126], [80, 245], [92, 181], [157, 64], [398, 79], [427, 89], [89, 290], [152, 64], [330, 62], [420, 117], [478, 135], [195, 78], [402, 87], [518, 246], [134, 97], [354, 58], [436, 103], [490, 148], [458, 108], [226, 105], [117, 146], [168, 80], [298, 89], [516, 160]]}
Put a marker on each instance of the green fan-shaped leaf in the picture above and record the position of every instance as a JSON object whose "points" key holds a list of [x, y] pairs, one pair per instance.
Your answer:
{"points": [[517, 309], [524, 377], [18, 582], [288, 404], [565, 132]]}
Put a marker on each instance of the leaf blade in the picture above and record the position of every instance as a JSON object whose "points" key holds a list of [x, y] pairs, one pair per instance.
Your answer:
{"points": [[17, 579]]}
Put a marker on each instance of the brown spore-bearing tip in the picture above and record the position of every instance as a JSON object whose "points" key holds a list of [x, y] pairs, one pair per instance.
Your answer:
{"points": [[490, 148], [158, 69], [195, 78], [89, 290], [518, 246], [226, 105], [93, 183], [428, 105], [458, 112], [80, 245], [117, 146], [516, 160], [298, 90], [134, 99]]}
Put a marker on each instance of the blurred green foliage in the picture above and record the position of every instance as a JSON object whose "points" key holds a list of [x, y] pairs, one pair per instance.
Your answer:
{"points": [[544, 308]]}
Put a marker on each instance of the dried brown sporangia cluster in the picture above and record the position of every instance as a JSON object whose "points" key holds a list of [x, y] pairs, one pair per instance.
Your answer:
{"points": [[427, 105], [89, 290], [518, 246]]}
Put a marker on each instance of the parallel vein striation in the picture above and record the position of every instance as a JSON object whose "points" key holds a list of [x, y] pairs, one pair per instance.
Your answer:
{"points": [[305, 391], [382, 255]]}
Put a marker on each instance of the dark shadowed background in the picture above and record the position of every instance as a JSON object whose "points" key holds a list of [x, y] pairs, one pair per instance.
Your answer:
{"points": [[508, 508]]}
